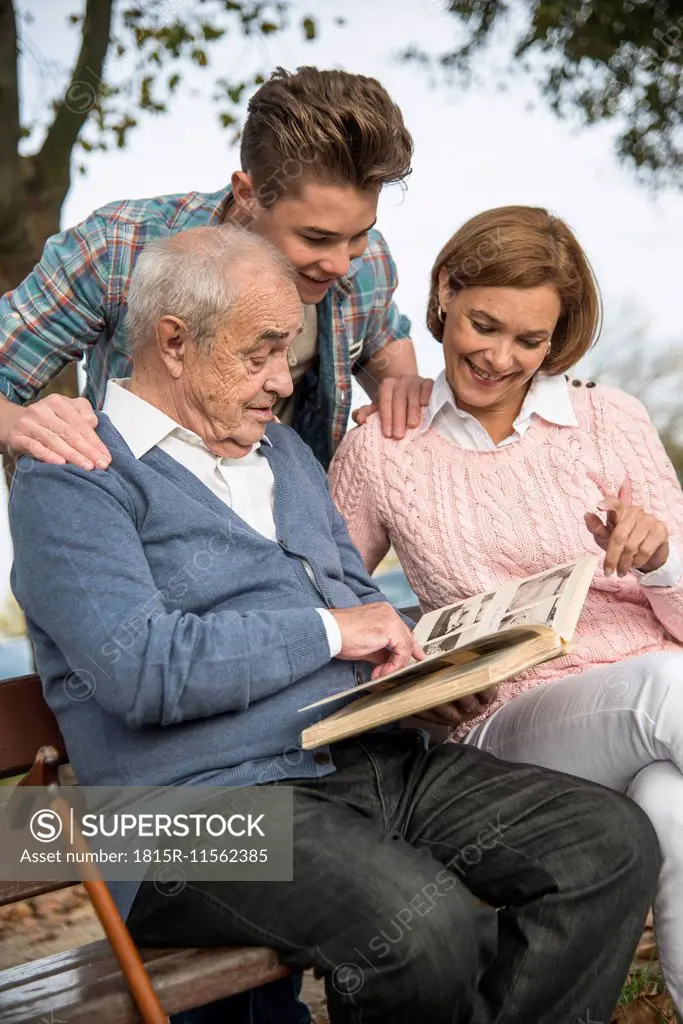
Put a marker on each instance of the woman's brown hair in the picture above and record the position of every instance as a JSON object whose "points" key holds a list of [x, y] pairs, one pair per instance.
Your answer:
{"points": [[523, 247], [340, 128]]}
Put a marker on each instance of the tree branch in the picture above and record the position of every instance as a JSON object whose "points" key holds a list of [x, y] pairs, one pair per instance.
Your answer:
{"points": [[12, 198], [80, 96]]}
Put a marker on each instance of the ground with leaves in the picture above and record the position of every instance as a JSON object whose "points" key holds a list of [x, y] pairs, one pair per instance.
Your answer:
{"points": [[64, 919], [644, 999]]}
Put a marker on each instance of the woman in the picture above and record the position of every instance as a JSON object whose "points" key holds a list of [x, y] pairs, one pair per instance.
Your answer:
{"points": [[515, 468]]}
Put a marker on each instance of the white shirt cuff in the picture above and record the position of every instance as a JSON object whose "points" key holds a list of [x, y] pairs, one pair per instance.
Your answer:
{"points": [[334, 637], [668, 575]]}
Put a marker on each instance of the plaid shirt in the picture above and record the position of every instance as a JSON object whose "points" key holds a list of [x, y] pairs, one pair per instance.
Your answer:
{"points": [[73, 304]]}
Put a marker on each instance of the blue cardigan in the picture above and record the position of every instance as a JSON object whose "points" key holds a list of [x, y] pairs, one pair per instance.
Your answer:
{"points": [[174, 642]]}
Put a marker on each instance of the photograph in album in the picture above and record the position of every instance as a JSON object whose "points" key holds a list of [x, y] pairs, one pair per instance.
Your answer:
{"points": [[469, 646]]}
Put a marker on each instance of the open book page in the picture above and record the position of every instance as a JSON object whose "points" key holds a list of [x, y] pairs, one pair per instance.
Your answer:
{"points": [[465, 658], [547, 604], [552, 598], [444, 684]]}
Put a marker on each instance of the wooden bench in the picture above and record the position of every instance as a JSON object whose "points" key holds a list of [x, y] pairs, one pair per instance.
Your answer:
{"points": [[87, 984]]}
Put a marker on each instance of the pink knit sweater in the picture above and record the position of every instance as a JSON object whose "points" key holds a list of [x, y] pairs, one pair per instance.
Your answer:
{"points": [[463, 522]]}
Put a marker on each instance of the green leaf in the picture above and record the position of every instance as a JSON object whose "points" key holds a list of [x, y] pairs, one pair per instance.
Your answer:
{"points": [[121, 130], [210, 33], [141, 35], [199, 57], [310, 29], [146, 101], [174, 82], [226, 120], [268, 27], [235, 92]]}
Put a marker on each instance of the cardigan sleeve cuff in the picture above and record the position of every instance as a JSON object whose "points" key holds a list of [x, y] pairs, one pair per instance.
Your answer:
{"points": [[305, 638]]}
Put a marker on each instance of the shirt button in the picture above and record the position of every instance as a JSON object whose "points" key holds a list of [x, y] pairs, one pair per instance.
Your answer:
{"points": [[321, 758]]}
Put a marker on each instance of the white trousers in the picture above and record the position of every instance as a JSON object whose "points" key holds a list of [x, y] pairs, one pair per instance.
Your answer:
{"points": [[622, 726]]}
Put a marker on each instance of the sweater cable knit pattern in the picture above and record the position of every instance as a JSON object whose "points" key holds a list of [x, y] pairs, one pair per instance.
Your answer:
{"points": [[464, 521]]}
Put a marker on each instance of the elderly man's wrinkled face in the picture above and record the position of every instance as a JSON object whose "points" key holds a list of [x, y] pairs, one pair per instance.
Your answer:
{"points": [[230, 393]]}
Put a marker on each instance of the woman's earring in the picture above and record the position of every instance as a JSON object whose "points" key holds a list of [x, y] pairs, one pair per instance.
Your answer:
{"points": [[440, 315]]}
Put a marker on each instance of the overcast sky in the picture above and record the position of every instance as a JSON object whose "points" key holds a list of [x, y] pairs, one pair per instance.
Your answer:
{"points": [[473, 151]]}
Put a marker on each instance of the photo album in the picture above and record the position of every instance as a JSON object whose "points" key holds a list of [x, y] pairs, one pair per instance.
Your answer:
{"points": [[469, 646]]}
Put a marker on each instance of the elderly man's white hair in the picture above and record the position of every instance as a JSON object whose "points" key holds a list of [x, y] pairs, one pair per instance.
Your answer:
{"points": [[198, 276]]}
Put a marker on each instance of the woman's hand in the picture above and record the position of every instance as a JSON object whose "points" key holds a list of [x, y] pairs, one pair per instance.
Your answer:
{"points": [[631, 538], [462, 710], [400, 401]]}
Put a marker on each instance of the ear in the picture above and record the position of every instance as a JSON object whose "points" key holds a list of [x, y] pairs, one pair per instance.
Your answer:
{"points": [[173, 340], [243, 191]]}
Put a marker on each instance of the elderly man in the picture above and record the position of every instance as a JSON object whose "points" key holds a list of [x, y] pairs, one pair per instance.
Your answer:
{"points": [[207, 585]]}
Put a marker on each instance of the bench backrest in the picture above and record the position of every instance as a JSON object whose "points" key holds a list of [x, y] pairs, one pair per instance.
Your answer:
{"points": [[26, 724]]}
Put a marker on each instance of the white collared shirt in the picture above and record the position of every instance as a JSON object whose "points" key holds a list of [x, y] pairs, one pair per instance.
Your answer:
{"points": [[245, 485], [547, 398]]}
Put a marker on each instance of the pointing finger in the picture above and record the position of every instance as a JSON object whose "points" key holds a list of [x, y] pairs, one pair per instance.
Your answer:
{"points": [[625, 492], [596, 526], [610, 504]]}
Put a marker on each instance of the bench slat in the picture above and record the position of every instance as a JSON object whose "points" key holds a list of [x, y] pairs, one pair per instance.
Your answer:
{"points": [[12, 892], [84, 985]]}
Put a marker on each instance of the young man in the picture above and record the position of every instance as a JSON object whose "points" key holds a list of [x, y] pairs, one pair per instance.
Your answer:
{"points": [[317, 148]]}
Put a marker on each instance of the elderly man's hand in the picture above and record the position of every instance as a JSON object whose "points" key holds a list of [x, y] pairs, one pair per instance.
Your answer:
{"points": [[375, 633], [56, 429], [462, 710], [400, 401]]}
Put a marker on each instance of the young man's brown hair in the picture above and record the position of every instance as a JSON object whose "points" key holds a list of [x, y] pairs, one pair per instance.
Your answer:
{"points": [[339, 128]]}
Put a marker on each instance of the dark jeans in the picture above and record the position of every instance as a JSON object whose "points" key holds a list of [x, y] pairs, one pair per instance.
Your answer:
{"points": [[277, 1003], [393, 854]]}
